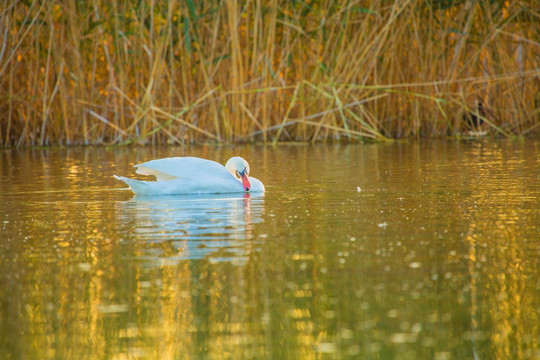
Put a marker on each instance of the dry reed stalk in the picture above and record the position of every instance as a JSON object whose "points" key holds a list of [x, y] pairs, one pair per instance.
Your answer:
{"points": [[118, 72]]}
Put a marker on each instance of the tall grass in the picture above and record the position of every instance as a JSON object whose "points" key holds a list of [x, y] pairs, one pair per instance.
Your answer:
{"points": [[120, 72]]}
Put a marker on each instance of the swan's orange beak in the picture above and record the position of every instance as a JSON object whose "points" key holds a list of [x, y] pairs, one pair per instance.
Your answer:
{"points": [[245, 182]]}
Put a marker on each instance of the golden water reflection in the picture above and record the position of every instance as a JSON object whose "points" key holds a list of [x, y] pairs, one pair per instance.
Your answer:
{"points": [[436, 256]]}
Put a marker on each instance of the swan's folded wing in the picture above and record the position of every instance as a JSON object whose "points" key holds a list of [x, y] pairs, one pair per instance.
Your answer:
{"points": [[182, 167], [160, 176]]}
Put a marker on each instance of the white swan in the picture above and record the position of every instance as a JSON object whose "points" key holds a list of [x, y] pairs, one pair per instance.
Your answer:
{"points": [[191, 175]]}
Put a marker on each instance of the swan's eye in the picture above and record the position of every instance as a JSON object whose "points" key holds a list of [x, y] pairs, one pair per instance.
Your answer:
{"points": [[237, 174]]}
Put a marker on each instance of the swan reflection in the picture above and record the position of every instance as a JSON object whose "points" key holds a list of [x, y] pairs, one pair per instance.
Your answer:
{"points": [[190, 227]]}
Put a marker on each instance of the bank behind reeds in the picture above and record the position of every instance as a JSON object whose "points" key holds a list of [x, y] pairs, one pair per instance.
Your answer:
{"points": [[118, 72]]}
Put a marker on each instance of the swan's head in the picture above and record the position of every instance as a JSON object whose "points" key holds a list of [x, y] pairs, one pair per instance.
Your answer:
{"points": [[240, 170]]}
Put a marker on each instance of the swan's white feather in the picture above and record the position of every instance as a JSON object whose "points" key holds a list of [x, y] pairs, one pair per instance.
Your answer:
{"points": [[182, 167], [187, 175]]}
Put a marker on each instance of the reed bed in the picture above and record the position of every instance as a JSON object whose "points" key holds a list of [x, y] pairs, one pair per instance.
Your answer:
{"points": [[153, 72]]}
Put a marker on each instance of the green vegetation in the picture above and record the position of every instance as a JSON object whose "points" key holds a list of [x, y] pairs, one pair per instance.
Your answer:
{"points": [[149, 72]]}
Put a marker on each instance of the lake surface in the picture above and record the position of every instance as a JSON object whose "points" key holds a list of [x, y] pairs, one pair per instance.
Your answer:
{"points": [[423, 250]]}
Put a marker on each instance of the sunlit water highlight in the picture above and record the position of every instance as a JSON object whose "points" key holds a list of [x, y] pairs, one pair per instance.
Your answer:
{"points": [[403, 251]]}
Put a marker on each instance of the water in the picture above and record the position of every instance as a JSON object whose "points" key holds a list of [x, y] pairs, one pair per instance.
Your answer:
{"points": [[402, 251]]}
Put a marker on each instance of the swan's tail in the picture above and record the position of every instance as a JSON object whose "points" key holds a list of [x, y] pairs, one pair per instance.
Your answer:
{"points": [[137, 186]]}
